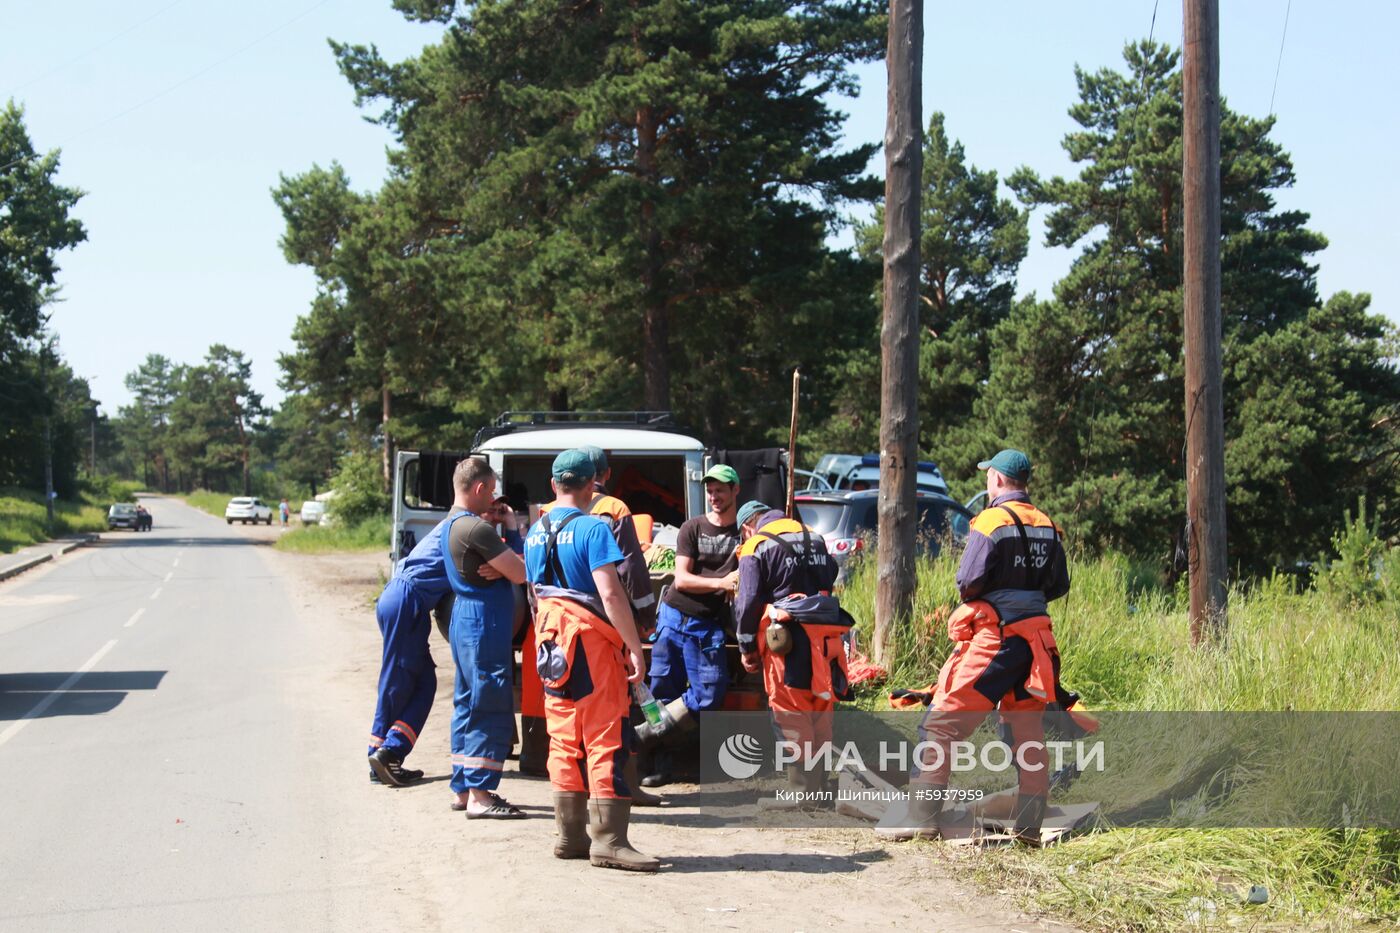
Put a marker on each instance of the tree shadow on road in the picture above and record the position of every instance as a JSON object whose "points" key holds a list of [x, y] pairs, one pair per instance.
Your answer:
{"points": [[92, 694]]}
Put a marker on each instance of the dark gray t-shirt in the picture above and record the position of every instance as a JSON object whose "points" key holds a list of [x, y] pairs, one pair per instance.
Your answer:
{"points": [[471, 543], [713, 552]]}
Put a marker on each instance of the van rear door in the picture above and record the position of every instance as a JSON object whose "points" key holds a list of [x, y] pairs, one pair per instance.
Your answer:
{"points": [[414, 516]]}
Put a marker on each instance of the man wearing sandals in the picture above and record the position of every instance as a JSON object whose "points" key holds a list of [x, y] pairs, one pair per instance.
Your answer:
{"points": [[481, 568]]}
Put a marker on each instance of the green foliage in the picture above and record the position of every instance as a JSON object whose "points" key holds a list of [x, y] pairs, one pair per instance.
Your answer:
{"points": [[24, 520], [371, 534], [611, 225], [43, 405], [1091, 382], [1357, 574], [193, 426], [359, 495], [972, 243], [35, 226], [212, 502], [1123, 640]]}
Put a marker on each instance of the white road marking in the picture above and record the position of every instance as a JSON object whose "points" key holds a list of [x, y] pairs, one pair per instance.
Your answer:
{"points": [[169, 575], [156, 594], [177, 561], [38, 599], [49, 698], [134, 616]]}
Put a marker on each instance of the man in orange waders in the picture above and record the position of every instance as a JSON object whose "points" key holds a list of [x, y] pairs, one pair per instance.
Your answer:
{"points": [[803, 664], [1005, 656], [587, 653], [636, 583]]}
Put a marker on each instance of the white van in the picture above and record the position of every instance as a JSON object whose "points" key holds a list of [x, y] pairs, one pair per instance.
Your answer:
{"points": [[655, 470]]}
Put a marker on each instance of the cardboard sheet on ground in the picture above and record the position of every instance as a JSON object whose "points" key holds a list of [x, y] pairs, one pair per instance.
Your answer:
{"points": [[985, 823]]}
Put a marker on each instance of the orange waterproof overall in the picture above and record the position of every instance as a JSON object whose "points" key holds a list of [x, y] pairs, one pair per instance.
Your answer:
{"points": [[804, 684], [1010, 667], [584, 677]]}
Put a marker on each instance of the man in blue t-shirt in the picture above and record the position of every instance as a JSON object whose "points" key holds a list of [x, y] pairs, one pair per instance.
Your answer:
{"points": [[587, 652]]}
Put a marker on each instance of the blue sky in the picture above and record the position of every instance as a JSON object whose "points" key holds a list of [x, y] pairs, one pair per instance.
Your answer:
{"points": [[176, 118]]}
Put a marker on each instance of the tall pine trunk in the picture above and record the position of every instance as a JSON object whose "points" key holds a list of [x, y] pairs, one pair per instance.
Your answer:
{"points": [[656, 370], [388, 460]]}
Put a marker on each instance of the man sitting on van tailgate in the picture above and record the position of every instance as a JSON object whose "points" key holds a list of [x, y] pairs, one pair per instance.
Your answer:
{"points": [[689, 673]]}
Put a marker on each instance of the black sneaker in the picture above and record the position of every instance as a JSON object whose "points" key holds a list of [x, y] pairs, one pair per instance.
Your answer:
{"points": [[385, 767], [659, 772]]}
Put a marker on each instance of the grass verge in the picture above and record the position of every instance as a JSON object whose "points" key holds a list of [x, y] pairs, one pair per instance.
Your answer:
{"points": [[212, 502], [370, 535], [23, 518], [1124, 646]]}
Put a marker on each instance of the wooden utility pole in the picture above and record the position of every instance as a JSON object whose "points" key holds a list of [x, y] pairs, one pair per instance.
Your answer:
{"points": [[899, 334], [790, 505], [1205, 418]]}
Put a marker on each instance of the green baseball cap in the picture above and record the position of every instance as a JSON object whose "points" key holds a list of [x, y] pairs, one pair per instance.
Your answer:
{"points": [[722, 473], [749, 509], [1009, 463], [599, 458], [573, 466]]}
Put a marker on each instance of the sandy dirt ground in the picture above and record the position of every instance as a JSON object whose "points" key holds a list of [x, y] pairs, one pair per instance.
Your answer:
{"points": [[434, 868]]}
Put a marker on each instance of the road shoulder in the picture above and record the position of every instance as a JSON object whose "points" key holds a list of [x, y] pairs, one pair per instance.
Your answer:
{"points": [[495, 873]]}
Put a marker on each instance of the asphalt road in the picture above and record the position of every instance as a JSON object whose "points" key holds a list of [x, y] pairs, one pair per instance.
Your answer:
{"points": [[182, 735], [155, 771]]}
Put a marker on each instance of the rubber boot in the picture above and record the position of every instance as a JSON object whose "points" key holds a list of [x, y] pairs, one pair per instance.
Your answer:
{"points": [[640, 798], [675, 719], [571, 821], [607, 825], [1030, 814], [789, 796], [920, 819], [534, 746], [814, 783]]}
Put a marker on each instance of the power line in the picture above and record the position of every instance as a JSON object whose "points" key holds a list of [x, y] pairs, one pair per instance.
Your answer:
{"points": [[1279, 67], [183, 81], [96, 48]]}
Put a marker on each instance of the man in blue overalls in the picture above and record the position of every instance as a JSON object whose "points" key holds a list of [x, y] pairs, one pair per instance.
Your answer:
{"points": [[481, 568], [407, 677]]}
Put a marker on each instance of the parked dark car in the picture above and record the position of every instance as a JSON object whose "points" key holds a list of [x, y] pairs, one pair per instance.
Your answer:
{"points": [[122, 515], [848, 520]]}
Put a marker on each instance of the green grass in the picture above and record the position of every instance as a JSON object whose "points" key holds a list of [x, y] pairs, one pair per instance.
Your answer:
{"points": [[212, 502], [1124, 645], [23, 518], [369, 535]]}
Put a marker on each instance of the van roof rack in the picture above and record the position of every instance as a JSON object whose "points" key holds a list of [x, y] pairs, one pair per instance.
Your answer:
{"points": [[510, 421]]}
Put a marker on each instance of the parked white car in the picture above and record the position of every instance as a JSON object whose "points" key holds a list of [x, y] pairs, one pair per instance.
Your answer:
{"points": [[313, 512], [246, 509]]}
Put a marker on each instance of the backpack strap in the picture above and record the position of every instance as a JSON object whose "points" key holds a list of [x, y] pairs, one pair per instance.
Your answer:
{"points": [[1021, 530], [553, 567]]}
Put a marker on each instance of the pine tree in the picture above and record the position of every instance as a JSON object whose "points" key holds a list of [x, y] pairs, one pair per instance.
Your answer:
{"points": [[1090, 383]]}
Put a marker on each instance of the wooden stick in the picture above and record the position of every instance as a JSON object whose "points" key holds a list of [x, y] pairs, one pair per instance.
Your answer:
{"points": [[792, 447]]}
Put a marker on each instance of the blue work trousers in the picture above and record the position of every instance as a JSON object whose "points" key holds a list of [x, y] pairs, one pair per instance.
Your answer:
{"points": [[687, 660], [407, 678], [483, 715]]}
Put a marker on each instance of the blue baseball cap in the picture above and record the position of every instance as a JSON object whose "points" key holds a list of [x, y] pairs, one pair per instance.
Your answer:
{"points": [[572, 467], [599, 458], [749, 509], [1010, 463]]}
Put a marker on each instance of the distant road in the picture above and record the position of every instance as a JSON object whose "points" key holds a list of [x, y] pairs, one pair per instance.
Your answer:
{"points": [[153, 768]]}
